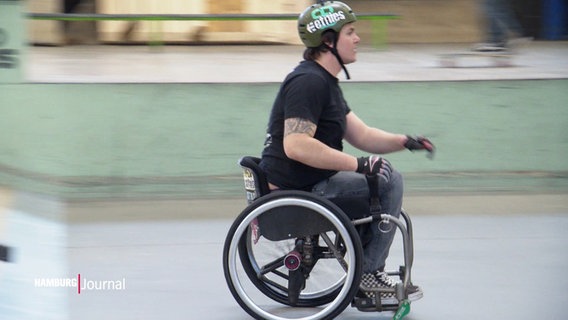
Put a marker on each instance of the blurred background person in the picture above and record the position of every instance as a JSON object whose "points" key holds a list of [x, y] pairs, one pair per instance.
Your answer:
{"points": [[69, 6], [79, 32], [502, 28]]}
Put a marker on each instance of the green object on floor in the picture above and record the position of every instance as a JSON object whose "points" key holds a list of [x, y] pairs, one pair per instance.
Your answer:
{"points": [[402, 311]]}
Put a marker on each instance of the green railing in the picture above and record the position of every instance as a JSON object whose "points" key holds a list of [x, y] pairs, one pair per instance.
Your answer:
{"points": [[379, 20]]}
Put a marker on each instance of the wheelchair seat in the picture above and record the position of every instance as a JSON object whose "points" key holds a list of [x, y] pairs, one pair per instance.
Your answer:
{"points": [[282, 222]]}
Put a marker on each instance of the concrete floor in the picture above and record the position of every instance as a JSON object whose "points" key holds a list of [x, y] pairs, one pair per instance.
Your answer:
{"points": [[470, 267]]}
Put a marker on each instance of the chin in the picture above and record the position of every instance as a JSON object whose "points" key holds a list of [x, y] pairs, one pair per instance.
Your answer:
{"points": [[350, 61]]}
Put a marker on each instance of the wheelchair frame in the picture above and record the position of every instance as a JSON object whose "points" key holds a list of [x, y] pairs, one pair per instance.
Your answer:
{"points": [[281, 237]]}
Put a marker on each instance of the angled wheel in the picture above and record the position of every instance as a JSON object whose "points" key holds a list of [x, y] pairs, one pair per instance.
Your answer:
{"points": [[292, 255]]}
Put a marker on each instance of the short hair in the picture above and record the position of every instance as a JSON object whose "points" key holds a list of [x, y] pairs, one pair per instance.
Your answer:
{"points": [[327, 37]]}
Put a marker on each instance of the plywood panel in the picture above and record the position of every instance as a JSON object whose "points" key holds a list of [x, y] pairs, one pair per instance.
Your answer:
{"points": [[233, 6]]}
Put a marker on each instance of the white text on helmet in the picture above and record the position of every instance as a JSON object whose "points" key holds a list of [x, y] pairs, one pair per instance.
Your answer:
{"points": [[326, 21]]}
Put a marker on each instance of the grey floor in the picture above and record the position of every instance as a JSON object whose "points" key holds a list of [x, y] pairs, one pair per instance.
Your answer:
{"points": [[470, 267]]}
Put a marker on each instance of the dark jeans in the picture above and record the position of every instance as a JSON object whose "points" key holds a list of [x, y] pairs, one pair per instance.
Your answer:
{"points": [[350, 185]]}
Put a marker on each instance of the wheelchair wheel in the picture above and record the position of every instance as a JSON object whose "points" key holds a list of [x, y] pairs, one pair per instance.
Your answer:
{"points": [[292, 249]]}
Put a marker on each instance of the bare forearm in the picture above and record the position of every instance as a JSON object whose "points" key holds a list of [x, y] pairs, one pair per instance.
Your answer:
{"points": [[378, 141], [371, 139], [314, 153]]}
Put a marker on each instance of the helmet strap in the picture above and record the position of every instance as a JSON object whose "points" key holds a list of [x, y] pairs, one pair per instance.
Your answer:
{"points": [[337, 56]]}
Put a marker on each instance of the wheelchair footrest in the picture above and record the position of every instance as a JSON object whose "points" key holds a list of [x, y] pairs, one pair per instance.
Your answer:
{"points": [[364, 304], [370, 305]]}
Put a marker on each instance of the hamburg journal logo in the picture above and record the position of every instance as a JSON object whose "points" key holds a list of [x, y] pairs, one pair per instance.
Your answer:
{"points": [[81, 284]]}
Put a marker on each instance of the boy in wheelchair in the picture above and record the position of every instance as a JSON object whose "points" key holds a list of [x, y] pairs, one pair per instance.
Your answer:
{"points": [[308, 123]]}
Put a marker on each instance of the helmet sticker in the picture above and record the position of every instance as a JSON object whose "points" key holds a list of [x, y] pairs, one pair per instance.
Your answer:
{"points": [[324, 17]]}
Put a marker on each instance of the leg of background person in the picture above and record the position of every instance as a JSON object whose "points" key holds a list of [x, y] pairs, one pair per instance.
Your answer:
{"points": [[494, 33], [69, 6], [510, 25]]}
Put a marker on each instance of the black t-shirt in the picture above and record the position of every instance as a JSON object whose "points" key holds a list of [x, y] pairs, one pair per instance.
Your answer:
{"points": [[309, 92]]}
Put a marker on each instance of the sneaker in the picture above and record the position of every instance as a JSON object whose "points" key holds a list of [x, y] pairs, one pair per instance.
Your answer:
{"points": [[414, 292], [380, 280], [517, 43], [489, 47]]}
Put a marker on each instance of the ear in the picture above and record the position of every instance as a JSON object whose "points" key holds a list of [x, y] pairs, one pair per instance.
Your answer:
{"points": [[328, 38], [329, 42]]}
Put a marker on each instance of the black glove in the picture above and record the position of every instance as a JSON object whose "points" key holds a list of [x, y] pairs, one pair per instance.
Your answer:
{"points": [[420, 143], [374, 165]]}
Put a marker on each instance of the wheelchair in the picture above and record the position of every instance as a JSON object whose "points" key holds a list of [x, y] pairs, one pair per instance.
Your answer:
{"points": [[297, 255]]}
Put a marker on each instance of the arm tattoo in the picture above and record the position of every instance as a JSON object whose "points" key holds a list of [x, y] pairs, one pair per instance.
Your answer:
{"points": [[299, 125]]}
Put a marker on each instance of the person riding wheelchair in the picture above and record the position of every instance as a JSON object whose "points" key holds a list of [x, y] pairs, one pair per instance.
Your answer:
{"points": [[302, 250], [320, 222]]}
